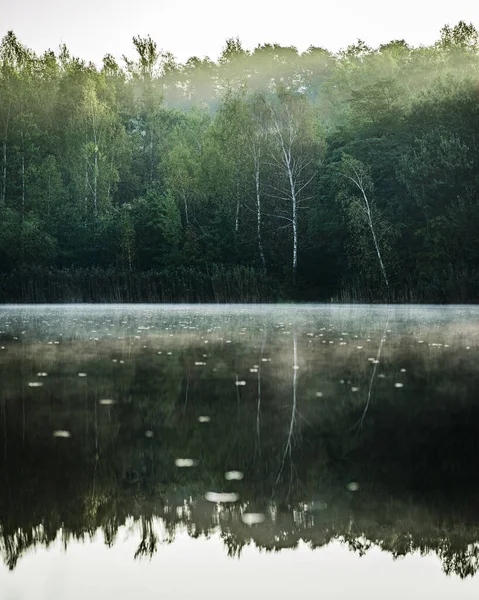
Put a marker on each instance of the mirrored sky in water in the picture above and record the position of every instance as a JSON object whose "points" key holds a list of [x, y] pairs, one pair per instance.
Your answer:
{"points": [[199, 568]]}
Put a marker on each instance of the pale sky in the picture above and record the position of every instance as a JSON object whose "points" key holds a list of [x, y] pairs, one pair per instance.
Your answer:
{"points": [[91, 28]]}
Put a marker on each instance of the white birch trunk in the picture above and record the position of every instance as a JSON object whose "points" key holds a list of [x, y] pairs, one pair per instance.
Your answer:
{"points": [[294, 217], [358, 180], [258, 210], [23, 173], [4, 173], [373, 232], [3, 197], [185, 203], [23, 184], [95, 166]]}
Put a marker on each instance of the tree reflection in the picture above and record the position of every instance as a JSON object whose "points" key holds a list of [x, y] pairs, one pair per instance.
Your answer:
{"points": [[415, 461]]}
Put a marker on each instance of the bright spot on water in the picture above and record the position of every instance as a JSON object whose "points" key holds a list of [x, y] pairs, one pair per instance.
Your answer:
{"points": [[240, 382], [198, 363], [252, 518], [399, 385], [253, 370], [42, 374], [381, 375], [295, 367], [204, 419], [319, 394], [234, 475], [107, 401], [353, 486], [81, 374], [318, 505], [403, 370], [185, 462], [221, 497], [61, 433], [355, 389], [35, 384], [359, 347], [148, 433]]}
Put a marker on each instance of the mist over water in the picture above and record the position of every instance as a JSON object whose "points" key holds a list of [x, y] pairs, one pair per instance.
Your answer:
{"points": [[197, 434]]}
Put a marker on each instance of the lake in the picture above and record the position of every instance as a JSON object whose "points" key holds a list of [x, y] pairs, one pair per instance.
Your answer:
{"points": [[239, 451]]}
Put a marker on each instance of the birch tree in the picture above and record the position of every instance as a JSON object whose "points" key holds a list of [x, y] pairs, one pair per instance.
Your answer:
{"points": [[257, 145], [293, 157], [358, 175]]}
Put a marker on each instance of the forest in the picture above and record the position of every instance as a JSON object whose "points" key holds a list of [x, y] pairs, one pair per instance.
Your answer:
{"points": [[268, 175]]}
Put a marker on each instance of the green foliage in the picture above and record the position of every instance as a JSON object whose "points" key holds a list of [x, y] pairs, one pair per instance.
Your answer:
{"points": [[153, 164], [156, 221]]}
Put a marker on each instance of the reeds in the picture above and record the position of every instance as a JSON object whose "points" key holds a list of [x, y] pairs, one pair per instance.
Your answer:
{"points": [[215, 283]]}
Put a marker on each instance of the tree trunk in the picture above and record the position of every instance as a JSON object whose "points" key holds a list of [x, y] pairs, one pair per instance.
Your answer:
{"points": [[95, 176], [376, 245], [258, 213], [237, 202], [86, 189], [185, 202], [4, 174], [23, 174], [23, 184], [3, 197], [294, 213]]}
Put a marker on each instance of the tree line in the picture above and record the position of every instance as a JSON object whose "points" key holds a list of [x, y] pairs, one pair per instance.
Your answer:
{"points": [[348, 176]]}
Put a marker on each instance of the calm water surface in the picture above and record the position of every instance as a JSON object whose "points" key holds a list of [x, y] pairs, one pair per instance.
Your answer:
{"points": [[239, 451]]}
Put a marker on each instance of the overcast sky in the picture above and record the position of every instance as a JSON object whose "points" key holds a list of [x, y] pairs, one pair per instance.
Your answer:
{"points": [[91, 28]]}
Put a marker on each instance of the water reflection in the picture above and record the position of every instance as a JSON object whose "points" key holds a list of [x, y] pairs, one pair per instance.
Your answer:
{"points": [[269, 426]]}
